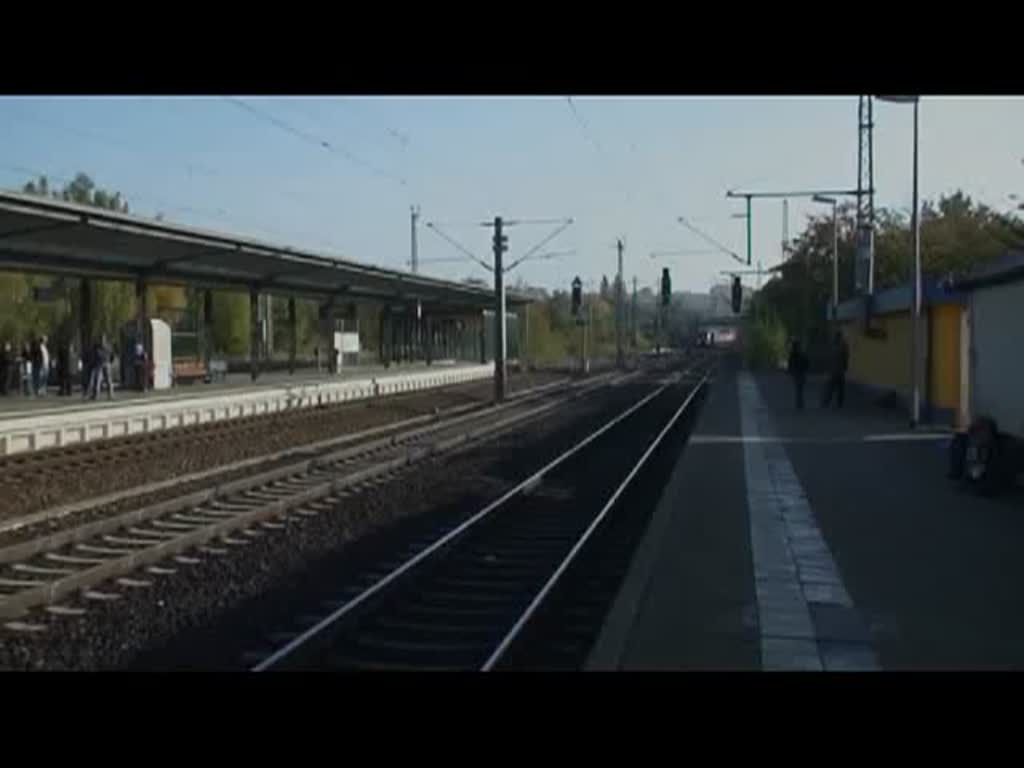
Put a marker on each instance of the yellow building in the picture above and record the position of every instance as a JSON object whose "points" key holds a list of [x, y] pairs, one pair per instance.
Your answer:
{"points": [[880, 354]]}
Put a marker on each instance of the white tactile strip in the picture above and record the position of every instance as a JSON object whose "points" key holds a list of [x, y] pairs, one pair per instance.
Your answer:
{"points": [[806, 618]]}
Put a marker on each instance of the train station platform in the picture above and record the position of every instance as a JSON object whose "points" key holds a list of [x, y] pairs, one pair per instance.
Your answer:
{"points": [[29, 424], [817, 540]]}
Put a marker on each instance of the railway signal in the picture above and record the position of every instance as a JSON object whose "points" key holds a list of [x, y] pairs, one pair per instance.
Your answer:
{"points": [[577, 295], [666, 287], [737, 295]]}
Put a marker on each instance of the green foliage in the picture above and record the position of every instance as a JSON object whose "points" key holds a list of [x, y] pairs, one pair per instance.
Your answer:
{"points": [[113, 302], [230, 332], [554, 334], [956, 234], [764, 339]]}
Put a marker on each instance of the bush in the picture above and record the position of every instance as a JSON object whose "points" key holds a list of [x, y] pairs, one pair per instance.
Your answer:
{"points": [[765, 345]]}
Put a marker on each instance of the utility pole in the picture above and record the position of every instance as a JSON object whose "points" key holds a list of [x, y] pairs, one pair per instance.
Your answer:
{"points": [[619, 308], [916, 345], [500, 372], [748, 231], [864, 261], [633, 342], [414, 260], [500, 245], [526, 337]]}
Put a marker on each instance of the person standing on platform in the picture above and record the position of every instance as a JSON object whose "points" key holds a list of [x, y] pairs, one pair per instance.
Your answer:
{"points": [[44, 366], [64, 358], [87, 366], [36, 358], [25, 369], [6, 359], [141, 369], [839, 362], [798, 370], [101, 370]]}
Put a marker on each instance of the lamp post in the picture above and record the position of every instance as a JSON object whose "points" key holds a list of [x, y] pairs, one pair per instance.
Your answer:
{"points": [[835, 250], [915, 340]]}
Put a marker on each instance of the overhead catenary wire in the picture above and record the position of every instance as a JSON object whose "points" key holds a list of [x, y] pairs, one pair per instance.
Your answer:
{"points": [[709, 239], [163, 204], [102, 139], [432, 226], [312, 139], [188, 165], [628, 196], [565, 224], [583, 124], [159, 201]]}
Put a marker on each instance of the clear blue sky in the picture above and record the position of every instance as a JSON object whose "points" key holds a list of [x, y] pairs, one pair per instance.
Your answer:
{"points": [[630, 168]]}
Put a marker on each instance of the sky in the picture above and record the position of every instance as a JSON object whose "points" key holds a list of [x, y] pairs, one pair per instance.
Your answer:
{"points": [[619, 167]]}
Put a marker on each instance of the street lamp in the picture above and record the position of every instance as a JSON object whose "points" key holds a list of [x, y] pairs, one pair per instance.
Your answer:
{"points": [[915, 346], [835, 251]]}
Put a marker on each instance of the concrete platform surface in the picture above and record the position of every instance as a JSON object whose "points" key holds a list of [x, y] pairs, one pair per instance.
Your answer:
{"points": [[60, 426], [818, 540], [16, 405]]}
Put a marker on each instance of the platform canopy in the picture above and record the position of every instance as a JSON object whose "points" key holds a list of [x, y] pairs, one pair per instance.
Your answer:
{"points": [[39, 234]]}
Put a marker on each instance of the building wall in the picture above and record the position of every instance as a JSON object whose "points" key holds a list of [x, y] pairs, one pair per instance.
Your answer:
{"points": [[882, 362], [944, 357], [997, 355]]}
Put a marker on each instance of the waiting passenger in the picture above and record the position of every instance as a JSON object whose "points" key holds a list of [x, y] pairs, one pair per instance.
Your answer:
{"points": [[6, 363], [25, 369], [101, 370], [42, 378], [65, 355], [87, 366], [141, 369]]}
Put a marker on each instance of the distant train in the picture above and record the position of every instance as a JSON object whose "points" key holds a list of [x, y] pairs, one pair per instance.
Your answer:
{"points": [[710, 337]]}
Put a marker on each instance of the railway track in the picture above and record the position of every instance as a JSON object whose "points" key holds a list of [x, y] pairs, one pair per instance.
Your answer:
{"points": [[467, 596], [37, 481], [20, 467], [132, 548]]}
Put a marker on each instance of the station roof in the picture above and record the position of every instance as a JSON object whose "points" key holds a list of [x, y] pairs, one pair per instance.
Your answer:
{"points": [[1009, 267], [40, 234], [898, 298]]}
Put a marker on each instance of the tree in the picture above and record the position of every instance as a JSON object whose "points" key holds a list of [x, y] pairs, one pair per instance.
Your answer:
{"points": [[604, 286], [113, 301], [956, 234]]}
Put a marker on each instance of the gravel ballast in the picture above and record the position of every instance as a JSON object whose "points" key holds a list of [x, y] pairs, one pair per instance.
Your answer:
{"points": [[192, 617], [36, 482]]}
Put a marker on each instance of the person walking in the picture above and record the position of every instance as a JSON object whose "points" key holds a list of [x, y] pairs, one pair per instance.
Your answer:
{"points": [[43, 377], [798, 370], [6, 360], [838, 363]]}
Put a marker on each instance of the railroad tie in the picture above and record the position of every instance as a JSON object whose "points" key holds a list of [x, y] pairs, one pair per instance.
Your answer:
{"points": [[65, 610], [93, 594], [24, 626], [134, 583]]}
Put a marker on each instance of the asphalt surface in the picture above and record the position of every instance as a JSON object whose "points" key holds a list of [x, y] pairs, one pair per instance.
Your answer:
{"points": [[688, 601], [934, 572]]}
